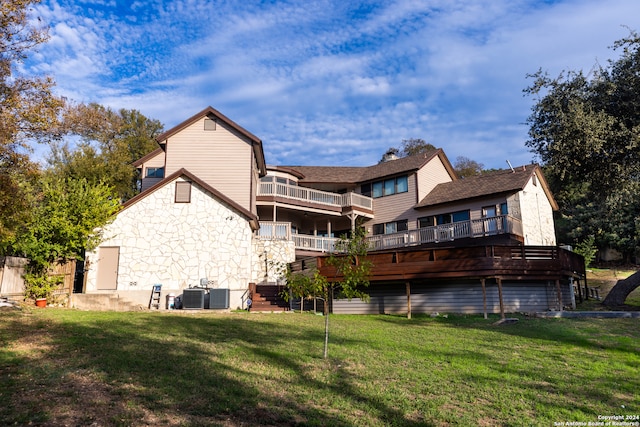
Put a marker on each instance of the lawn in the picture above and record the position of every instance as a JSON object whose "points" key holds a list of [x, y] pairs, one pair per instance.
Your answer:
{"points": [[68, 367]]}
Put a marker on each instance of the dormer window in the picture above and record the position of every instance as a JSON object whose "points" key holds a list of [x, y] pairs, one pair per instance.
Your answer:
{"points": [[155, 173]]}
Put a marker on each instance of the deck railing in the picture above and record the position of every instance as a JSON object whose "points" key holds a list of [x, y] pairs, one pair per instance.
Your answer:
{"points": [[314, 243], [304, 194], [274, 230], [502, 224]]}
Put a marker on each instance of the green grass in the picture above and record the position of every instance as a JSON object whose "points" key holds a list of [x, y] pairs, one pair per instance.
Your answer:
{"points": [[70, 367]]}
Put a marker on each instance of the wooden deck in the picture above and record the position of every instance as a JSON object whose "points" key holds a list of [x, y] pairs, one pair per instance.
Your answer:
{"points": [[505, 262]]}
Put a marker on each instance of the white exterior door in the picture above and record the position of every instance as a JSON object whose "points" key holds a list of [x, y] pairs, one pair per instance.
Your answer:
{"points": [[108, 258]]}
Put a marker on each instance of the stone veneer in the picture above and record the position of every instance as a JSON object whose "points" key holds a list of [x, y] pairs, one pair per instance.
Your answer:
{"points": [[177, 244]]}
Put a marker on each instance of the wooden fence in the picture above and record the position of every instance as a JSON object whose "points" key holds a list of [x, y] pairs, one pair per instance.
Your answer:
{"points": [[12, 270]]}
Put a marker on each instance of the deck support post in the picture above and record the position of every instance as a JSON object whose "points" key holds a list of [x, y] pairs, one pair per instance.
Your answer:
{"points": [[559, 291], [484, 297], [499, 280], [579, 286], [408, 284]]}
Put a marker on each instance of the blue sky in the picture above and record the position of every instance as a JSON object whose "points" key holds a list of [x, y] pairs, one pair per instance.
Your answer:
{"points": [[332, 82]]}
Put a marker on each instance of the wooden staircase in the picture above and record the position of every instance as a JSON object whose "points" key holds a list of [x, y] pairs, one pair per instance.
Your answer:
{"points": [[266, 298]]}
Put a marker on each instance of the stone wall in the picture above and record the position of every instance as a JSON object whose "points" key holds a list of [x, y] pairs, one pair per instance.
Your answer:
{"points": [[269, 259], [178, 244]]}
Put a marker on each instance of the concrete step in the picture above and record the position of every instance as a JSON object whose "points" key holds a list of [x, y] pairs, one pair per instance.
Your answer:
{"points": [[104, 302]]}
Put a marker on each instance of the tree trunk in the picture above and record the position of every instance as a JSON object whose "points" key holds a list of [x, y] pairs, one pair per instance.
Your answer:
{"points": [[619, 293]]}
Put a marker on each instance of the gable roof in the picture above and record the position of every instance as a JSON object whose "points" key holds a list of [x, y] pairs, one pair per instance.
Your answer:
{"points": [[252, 218], [487, 184], [359, 174], [210, 111], [147, 157]]}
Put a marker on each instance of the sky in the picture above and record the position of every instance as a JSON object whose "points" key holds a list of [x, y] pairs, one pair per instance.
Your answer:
{"points": [[332, 83]]}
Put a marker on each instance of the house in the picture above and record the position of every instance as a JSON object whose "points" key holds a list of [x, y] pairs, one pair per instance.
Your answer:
{"points": [[212, 214]]}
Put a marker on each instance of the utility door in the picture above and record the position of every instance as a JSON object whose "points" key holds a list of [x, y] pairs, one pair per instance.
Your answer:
{"points": [[108, 257]]}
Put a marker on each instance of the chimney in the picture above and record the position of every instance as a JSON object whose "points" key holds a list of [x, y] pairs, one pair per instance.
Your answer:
{"points": [[390, 155]]}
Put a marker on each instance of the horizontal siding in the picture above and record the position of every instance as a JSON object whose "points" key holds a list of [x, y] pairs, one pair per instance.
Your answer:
{"points": [[400, 206], [155, 162], [395, 207], [474, 206], [222, 158], [148, 183], [456, 297], [432, 174]]}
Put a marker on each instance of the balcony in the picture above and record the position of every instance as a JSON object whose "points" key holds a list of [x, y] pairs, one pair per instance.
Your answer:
{"points": [[309, 197], [282, 231], [503, 224]]}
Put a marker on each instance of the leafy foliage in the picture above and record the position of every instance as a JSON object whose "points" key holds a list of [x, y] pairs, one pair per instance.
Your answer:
{"points": [[350, 260], [587, 249], [110, 142], [41, 285], [586, 131], [414, 146], [465, 167], [66, 218], [28, 112]]}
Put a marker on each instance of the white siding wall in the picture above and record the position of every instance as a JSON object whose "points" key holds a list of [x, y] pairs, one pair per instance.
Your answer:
{"points": [[537, 215], [177, 244], [222, 158]]}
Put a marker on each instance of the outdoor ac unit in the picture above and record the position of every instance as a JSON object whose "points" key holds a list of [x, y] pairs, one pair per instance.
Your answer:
{"points": [[219, 298], [193, 299]]}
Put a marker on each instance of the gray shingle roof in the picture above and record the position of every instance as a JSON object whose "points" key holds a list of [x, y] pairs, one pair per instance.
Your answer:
{"points": [[354, 175], [502, 181]]}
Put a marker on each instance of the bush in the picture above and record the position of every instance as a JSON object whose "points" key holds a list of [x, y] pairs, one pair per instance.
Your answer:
{"points": [[587, 249], [40, 286]]}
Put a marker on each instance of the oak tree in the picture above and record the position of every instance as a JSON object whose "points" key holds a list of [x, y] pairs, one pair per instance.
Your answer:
{"points": [[28, 111]]}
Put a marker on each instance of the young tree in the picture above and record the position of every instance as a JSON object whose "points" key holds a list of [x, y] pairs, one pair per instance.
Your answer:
{"points": [[28, 111], [353, 267]]}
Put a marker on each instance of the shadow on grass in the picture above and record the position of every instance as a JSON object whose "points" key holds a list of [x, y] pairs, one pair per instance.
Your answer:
{"points": [[568, 366], [146, 369]]}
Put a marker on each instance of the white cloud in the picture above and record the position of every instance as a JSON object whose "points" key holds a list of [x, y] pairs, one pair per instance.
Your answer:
{"points": [[332, 82]]}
